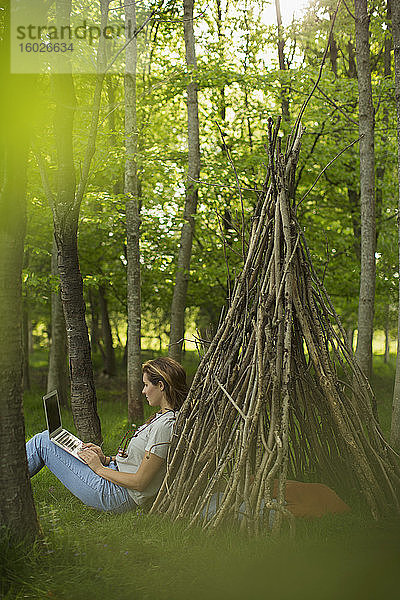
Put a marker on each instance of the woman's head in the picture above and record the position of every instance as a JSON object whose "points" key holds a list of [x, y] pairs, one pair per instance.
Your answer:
{"points": [[169, 377]]}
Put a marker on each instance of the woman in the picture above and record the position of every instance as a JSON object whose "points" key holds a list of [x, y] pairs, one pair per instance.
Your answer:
{"points": [[133, 477]]}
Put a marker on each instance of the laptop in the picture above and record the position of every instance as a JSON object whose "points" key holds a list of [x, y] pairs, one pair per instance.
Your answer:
{"points": [[57, 434]]}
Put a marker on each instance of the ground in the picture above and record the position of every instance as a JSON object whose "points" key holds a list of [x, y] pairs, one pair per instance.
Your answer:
{"points": [[86, 555]]}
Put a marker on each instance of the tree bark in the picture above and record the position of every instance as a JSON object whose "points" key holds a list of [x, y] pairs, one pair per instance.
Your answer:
{"points": [[352, 70], [134, 359], [178, 305], [333, 52], [395, 425], [66, 209], [118, 184], [367, 188], [350, 336], [17, 509], [83, 393], [58, 376], [94, 323], [109, 354]]}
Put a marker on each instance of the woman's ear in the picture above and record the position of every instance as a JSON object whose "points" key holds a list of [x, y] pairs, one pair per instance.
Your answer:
{"points": [[161, 384]]}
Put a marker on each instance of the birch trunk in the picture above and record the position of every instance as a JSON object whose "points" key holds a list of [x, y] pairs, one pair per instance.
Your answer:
{"points": [[395, 426], [17, 509], [58, 376], [178, 305], [134, 360], [367, 188]]}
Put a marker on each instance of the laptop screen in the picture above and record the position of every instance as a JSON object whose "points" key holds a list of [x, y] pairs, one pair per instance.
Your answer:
{"points": [[52, 411]]}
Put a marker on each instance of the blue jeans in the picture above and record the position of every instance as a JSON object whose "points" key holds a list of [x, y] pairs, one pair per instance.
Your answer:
{"points": [[91, 489]]}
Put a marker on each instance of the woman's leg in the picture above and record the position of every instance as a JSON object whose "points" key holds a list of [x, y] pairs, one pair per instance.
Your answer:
{"points": [[90, 488]]}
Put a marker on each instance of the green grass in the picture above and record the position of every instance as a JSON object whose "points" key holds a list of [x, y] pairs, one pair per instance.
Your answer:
{"points": [[89, 555]]}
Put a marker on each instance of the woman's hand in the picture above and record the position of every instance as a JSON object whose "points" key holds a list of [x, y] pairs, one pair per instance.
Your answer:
{"points": [[91, 458], [96, 449]]}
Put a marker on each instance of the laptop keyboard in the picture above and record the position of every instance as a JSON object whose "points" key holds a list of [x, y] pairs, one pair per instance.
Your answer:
{"points": [[68, 441]]}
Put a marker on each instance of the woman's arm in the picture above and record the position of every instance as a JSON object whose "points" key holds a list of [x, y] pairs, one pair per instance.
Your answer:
{"points": [[139, 481]]}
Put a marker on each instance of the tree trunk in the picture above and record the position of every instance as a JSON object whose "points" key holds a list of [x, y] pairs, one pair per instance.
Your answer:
{"points": [[350, 336], [17, 509], [118, 184], [109, 357], [367, 188], [111, 108], [66, 216], [58, 376], [353, 193], [83, 393], [134, 359], [395, 426], [282, 65], [333, 50], [352, 70], [185, 247], [94, 323]]}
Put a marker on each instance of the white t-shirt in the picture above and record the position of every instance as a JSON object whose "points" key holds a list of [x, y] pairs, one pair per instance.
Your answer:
{"points": [[152, 437]]}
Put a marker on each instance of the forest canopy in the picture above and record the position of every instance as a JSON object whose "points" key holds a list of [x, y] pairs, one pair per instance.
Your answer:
{"points": [[240, 84]]}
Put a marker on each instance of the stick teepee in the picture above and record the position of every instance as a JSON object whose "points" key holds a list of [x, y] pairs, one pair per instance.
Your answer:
{"points": [[277, 393]]}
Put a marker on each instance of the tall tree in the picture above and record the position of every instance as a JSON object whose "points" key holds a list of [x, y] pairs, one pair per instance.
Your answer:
{"points": [[367, 189], [17, 510], [134, 369], [66, 208], [185, 246], [395, 426], [58, 375]]}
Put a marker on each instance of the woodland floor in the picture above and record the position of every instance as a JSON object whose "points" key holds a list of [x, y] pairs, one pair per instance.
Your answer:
{"points": [[88, 555]]}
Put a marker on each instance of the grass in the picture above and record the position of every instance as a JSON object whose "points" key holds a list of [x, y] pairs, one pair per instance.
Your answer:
{"points": [[85, 554]]}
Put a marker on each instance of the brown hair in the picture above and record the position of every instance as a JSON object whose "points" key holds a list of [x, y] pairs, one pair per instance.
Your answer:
{"points": [[173, 376]]}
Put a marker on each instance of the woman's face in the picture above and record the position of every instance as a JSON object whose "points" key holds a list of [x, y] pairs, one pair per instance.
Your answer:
{"points": [[153, 393]]}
